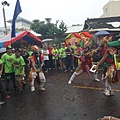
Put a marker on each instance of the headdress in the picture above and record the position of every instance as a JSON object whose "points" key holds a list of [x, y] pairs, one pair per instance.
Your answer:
{"points": [[35, 47], [114, 43]]}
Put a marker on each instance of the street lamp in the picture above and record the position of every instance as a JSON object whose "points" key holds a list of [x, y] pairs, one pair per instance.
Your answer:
{"points": [[4, 3]]}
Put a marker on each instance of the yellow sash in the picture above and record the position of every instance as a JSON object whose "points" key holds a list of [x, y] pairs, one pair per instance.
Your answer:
{"points": [[116, 63]]}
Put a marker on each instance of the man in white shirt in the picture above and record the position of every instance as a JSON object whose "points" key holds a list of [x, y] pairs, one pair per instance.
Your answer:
{"points": [[45, 52]]}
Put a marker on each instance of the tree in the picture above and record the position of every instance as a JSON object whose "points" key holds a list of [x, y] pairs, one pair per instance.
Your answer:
{"points": [[59, 31], [48, 20], [20, 29], [48, 29]]}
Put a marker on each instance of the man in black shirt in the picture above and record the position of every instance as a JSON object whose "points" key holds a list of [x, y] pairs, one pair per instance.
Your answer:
{"points": [[25, 56], [69, 58]]}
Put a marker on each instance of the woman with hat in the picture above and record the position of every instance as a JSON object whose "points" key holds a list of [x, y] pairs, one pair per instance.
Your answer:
{"points": [[55, 57], [62, 55]]}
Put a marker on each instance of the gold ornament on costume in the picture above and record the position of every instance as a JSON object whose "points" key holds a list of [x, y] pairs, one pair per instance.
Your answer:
{"points": [[112, 50]]}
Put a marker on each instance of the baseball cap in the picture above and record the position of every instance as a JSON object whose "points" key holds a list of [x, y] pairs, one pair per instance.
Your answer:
{"points": [[8, 47], [54, 45]]}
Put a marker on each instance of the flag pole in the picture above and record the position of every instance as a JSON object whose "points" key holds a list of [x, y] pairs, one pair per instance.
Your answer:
{"points": [[17, 11]]}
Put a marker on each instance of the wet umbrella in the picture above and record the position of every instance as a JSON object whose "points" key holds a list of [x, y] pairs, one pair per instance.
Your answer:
{"points": [[117, 36], [86, 34], [47, 40], [2, 50], [102, 32]]}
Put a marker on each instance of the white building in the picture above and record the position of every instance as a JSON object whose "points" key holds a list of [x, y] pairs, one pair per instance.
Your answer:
{"points": [[111, 9], [21, 23], [74, 28]]}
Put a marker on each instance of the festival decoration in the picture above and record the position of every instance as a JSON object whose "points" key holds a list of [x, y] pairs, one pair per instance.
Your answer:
{"points": [[72, 38], [86, 38], [86, 34]]}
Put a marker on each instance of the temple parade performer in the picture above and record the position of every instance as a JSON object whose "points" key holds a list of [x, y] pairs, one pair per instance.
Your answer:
{"points": [[96, 57], [110, 72], [117, 55], [85, 65], [36, 63]]}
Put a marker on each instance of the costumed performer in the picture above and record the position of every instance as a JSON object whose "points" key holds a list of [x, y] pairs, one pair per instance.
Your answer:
{"points": [[85, 65], [110, 72], [36, 63]]}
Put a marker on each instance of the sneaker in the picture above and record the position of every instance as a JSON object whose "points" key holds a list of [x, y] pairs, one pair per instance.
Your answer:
{"points": [[42, 89], [69, 83], [111, 93], [6, 97], [7, 90], [96, 80], [107, 93], [24, 84], [65, 71], [104, 92], [15, 87], [20, 91], [32, 88], [1, 102]]}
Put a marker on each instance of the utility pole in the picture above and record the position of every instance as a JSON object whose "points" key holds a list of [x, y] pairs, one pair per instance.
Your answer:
{"points": [[4, 3]]}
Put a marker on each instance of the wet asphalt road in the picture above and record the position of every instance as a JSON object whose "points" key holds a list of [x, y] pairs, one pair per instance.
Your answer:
{"points": [[79, 101]]}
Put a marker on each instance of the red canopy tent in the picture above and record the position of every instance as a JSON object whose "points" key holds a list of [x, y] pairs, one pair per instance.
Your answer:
{"points": [[24, 36]]}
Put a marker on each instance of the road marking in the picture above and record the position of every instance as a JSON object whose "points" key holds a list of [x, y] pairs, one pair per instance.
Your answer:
{"points": [[93, 88]]}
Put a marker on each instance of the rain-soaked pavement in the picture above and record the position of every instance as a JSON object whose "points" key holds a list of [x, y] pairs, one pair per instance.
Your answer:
{"points": [[83, 100]]}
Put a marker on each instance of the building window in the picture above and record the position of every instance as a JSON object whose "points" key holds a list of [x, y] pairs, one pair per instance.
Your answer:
{"points": [[105, 9]]}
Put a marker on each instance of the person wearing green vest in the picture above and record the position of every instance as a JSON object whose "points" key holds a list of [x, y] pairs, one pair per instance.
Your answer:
{"points": [[62, 54], [7, 59], [30, 52], [2, 91], [19, 64], [55, 57]]}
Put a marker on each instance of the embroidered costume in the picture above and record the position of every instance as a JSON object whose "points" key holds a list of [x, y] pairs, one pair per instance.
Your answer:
{"points": [[110, 73], [85, 65], [36, 63]]}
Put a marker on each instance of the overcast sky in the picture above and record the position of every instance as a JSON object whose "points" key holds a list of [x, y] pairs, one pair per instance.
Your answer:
{"points": [[70, 11]]}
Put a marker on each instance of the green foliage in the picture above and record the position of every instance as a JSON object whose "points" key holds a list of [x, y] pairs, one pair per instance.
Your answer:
{"points": [[20, 29], [49, 30]]}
